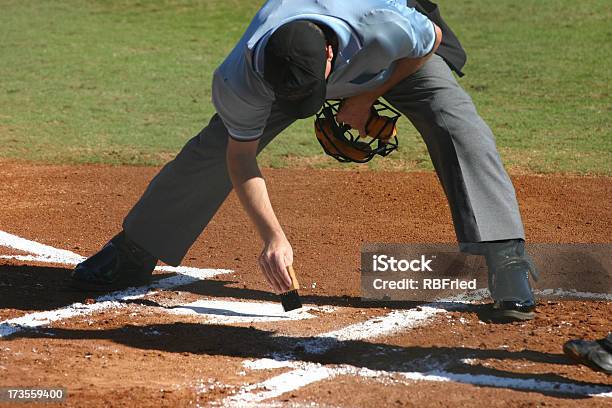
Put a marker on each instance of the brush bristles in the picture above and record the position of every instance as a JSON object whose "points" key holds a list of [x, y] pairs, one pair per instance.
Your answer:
{"points": [[291, 300]]}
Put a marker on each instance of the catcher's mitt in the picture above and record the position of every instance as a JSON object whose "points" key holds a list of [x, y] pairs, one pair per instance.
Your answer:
{"points": [[340, 143]]}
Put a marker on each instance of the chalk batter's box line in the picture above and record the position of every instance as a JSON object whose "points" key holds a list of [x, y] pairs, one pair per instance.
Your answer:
{"points": [[47, 254], [278, 385]]}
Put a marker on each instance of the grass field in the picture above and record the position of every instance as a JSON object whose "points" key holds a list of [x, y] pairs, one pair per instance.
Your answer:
{"points": [[128, 82]]}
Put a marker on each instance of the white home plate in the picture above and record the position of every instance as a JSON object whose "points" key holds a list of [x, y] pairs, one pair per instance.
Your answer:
{"points": [[221, 311]]}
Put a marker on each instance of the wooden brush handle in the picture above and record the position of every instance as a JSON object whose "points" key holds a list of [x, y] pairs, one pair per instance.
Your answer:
{"points": [[294, 282]]}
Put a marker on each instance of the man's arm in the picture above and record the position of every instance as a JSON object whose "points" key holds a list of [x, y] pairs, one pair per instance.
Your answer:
{"points": [[251, 189], [355, 110]]}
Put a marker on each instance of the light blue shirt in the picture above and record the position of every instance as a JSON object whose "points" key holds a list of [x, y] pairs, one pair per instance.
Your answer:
{"points": [[372, 34]]}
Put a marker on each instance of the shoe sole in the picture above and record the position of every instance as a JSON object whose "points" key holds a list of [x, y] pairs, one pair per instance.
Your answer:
{"points": [[509, 315], [99, 287], [580, 359]]}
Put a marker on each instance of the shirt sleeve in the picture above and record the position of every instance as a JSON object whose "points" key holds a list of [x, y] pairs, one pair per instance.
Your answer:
{"points": [[244, 121], [404, 32]]}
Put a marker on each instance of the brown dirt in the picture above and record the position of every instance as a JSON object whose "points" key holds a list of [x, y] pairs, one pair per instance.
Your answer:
{"points": [[127, 356]]}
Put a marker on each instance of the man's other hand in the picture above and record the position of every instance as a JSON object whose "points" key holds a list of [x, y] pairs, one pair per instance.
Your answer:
{"points": [[355, 112]]}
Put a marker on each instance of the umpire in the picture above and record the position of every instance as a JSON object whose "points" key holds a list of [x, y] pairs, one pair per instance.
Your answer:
{"points": [[293, 56]]}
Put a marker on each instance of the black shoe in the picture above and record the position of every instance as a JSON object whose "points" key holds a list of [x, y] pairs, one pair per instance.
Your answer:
{"points": [[119, 264], [595, 354], [509, 271], [510, 311]]}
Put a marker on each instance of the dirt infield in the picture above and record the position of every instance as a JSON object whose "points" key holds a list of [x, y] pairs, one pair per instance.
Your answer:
{"points": [[147, 348]]}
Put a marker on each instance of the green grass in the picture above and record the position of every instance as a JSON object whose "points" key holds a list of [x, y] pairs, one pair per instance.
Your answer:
{"points": [[128, 82]]}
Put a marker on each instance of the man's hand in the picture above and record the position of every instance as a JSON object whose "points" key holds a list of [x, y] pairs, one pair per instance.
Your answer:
{"points": [[355, 112], [274, 259], [251, 190]]}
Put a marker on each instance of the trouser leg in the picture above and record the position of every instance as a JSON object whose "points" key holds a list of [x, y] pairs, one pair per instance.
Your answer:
{"points": [[183, 197], [462, 148]]}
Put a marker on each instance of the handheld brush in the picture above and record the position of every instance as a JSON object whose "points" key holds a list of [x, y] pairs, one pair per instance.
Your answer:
{"points": [[291, 298]]}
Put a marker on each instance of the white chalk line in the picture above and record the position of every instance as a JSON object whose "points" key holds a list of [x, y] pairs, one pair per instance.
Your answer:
{"points": [[398, 320], [302, 370], [564, 293], [63, 261], [524, 384], [112, 300], [36, 248], [394, 322], [387, 325], [46, 254], [230, 311]]}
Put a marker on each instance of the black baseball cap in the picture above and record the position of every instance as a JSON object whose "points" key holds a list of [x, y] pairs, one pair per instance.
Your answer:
{"points": [[294, 64]]}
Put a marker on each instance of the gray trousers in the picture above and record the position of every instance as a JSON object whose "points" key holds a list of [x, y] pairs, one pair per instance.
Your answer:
{"points": [[180, 201]]}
